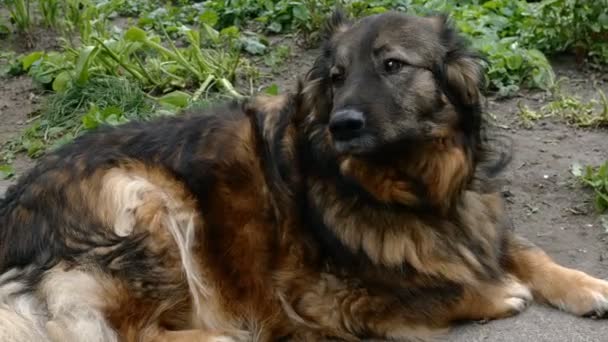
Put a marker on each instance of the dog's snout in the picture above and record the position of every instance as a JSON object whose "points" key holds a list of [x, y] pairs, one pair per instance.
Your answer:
{"points": [[346, 124]]}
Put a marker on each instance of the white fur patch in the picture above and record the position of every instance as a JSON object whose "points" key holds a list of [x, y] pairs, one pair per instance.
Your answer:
{"points": [[183, 232], [22, 316], [601, 303], [518, 295], [122, 193], [75, 301]]}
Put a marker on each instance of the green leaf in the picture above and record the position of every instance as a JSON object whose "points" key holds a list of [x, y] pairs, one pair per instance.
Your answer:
{"points": [[135, 34], [210, 33], [87, 54], [111, 111], [34, 147], [601, 202], [92, 118], [176, 98], [209, 17], [275, 27], [230, 32], [253, 46], [4, 30], [301, 13], [62, 141], [603, 20], [61, 82], [492, 4], [603, 171], [6, 171], [576, 169], [145, 21], [377, 10], [514, 62], [54, 131], [194, 37], [30, 59], [273, 89]]}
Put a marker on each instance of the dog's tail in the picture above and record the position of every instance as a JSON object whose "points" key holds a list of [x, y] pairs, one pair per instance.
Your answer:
{"points": [[22, 315]]}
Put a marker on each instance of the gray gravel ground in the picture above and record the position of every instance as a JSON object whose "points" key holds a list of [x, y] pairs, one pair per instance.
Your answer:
{"points": [[538, 324]]}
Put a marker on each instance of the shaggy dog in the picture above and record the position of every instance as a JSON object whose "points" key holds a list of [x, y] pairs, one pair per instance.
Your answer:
{"points": [[361, 206]]}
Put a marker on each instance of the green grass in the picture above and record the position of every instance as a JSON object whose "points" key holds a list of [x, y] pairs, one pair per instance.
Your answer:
{"points": [[20, 14], [528, 116], [571, 109], [580, 113], [102, 100], [595, 178]]}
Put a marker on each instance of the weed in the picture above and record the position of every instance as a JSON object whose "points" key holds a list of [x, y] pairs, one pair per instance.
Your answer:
{"points": [[571, 109], [569, 25], [6, 171], [597, 179], [102, 100], [4, 29], [49, 9], [527, 115], [272, 89], [133, 8], [10, 65], [277, 57], [145, 58], [579, 113], [20, 14]]}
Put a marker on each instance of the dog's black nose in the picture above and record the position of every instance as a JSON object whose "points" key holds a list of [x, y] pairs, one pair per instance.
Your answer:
{"points": [[346, 124]]}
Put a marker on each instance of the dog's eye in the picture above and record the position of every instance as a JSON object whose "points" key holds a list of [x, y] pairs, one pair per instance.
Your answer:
{"points": [[392, 66], [336, 74]]}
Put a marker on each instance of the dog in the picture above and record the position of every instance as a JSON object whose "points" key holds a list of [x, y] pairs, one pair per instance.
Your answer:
{"points": [[363, 205]]}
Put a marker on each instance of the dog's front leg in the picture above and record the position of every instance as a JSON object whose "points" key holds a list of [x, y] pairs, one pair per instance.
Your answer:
{"points": [[423, 310], [351, 311], [568, 289]]}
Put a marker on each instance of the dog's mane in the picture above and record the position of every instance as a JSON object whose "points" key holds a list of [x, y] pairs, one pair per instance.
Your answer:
{"points": [[488, 154]]}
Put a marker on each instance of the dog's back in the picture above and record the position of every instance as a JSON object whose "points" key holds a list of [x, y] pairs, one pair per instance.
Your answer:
{"points": [[107, 234]]}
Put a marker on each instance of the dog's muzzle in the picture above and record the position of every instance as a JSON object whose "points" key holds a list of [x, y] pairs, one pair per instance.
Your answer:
{"points": [[346, 124]]}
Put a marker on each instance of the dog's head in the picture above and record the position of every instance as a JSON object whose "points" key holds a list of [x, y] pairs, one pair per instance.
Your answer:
{"points": [[394, 80], [395, 102]]}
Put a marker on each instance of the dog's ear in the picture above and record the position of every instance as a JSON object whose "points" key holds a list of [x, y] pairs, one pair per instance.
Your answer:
{"points": [[464, 76], [315, 89], [463, 69], [337, 22]]}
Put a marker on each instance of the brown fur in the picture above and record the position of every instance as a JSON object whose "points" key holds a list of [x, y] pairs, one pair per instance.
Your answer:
{"points": [[257, 221]]}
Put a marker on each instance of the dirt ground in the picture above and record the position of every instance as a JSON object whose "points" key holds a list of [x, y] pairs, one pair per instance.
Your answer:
{"points": [[546, 205]]}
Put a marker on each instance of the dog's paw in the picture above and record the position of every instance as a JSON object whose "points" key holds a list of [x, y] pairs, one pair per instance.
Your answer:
{"points": [[515, 298], [492, 301], [583, 296], [506, 299]]}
